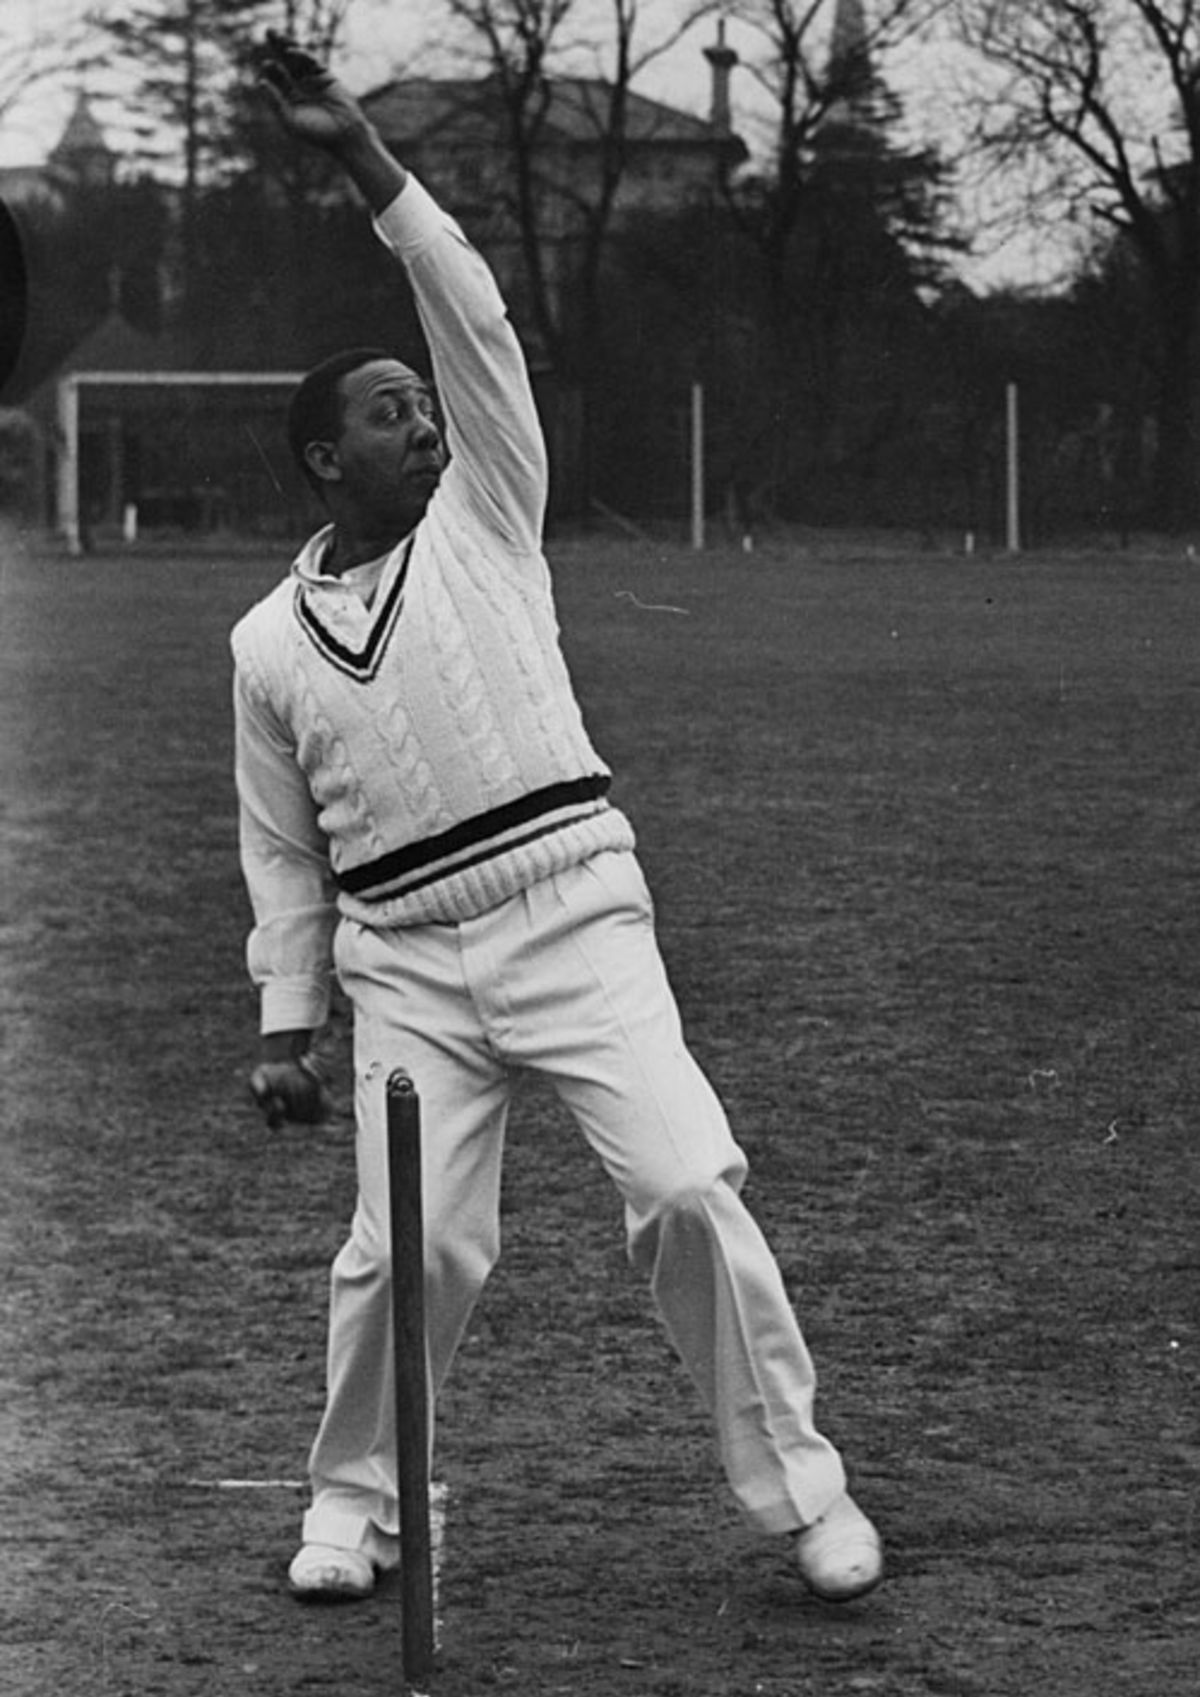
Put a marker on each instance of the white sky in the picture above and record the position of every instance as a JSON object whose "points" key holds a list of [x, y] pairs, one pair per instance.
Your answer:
{"points": [[382, 38], [385, 38]]}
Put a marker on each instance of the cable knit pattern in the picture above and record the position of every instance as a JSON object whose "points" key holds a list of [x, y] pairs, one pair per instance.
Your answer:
{"points": [[469, 714], [414, 775], [532, 640], [339, 782], [461, 682]]}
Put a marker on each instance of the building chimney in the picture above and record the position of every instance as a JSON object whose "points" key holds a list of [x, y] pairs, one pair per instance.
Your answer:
{"points": [[722, 59]]}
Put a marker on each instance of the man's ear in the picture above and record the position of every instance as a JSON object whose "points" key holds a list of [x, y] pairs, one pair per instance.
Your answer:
{"points": [[321, 458]]}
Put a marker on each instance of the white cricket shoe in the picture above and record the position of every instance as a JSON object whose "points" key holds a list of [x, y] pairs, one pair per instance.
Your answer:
{"points": [[840, 1556], [324, 1573]]}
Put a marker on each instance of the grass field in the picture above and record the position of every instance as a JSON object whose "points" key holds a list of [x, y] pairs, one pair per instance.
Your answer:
{"points": [[923, 837]]}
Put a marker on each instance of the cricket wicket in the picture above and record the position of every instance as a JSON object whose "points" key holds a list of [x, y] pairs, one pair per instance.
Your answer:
{"points": [[411, 1377]]}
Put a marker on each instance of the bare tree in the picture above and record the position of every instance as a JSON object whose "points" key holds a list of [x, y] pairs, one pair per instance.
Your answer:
{"points": [[848, 220], [811, 70], [190, 59], [190, 66], [1097, 104], [319, 24], [532, 49], [35, 51]]}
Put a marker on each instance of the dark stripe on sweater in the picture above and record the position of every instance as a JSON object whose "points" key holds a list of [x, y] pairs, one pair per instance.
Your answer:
{"points": [[471, 833]]}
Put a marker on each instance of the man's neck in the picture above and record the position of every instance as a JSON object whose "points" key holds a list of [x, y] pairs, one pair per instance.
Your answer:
{"points": [[349, 549]]}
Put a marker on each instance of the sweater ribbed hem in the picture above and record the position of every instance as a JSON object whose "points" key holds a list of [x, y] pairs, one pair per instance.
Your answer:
{"points": [[536, 813], [475, 889]]}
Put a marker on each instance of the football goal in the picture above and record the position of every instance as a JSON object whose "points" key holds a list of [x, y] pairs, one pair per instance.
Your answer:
{"points": [[179, 451]]}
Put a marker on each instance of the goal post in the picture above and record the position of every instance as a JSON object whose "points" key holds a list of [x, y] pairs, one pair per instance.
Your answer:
{"points": [[70, 391]]}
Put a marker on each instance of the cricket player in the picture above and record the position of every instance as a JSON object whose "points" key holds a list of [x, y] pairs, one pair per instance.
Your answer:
{"points": [[422, 812]]}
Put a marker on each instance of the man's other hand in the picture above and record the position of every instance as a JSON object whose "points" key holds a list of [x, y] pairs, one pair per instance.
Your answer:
{"points": [[289, 1090]]}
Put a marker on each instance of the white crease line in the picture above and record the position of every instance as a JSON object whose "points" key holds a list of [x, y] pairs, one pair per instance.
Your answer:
{"points": [[247, 1484], [439, 1497]]}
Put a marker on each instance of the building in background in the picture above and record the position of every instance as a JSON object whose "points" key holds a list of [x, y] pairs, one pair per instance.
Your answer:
{"points": [[454, 133], [80, 158]]}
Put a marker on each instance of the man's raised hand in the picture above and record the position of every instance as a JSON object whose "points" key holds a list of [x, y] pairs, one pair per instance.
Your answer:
{"points": [[308, 99]]}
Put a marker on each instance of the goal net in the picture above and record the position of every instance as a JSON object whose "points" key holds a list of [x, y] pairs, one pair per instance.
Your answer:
{"points": [[186, 453]]}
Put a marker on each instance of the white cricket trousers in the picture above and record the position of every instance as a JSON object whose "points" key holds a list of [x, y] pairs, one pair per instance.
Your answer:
{"points": [[566, 979]]}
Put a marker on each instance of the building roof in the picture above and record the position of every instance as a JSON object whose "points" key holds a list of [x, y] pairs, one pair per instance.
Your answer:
{"points": [[82, 134], [422, 108], [112, 345], [115, 345]]}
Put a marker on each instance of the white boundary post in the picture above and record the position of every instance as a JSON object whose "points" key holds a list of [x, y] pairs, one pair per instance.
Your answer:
{"points": [[68, 463], [68, 420], [697, 467], [1012, 438]]}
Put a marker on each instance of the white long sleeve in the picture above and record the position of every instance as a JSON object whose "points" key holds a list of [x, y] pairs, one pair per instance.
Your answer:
{"points": [[285, 862], [497, 449]]}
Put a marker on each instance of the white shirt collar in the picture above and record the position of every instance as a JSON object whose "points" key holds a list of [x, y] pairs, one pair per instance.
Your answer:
{"points": [[362, 578]]}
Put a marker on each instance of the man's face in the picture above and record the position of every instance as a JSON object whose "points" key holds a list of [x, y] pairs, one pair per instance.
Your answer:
{"points": [[389, 450]]}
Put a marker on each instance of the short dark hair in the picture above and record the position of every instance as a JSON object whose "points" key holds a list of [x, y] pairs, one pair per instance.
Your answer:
{"points": [[315, 409]]}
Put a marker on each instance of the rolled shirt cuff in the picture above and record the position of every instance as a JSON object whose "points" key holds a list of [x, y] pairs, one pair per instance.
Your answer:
{"points": [[294, 1004]]}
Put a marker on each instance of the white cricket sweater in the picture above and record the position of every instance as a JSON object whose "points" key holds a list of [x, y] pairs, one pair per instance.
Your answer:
{"points": [[421, 758]]}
